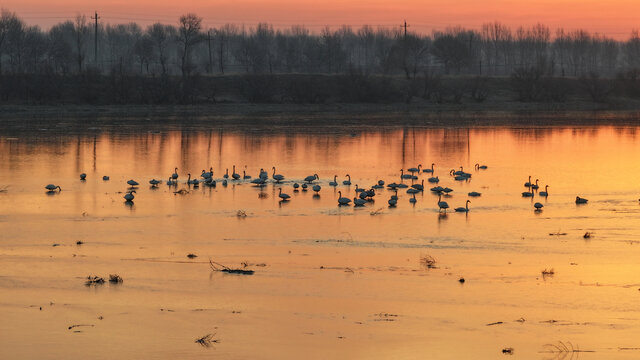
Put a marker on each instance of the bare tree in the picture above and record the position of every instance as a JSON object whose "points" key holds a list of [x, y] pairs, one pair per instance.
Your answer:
{"points": [[80, 31], [161, 36], [188, 36]]}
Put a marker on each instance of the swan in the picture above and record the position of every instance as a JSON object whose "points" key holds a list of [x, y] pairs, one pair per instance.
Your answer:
{"points": [[105, 178], [527, 193], [343, 200], [245, 176], [437, 189], [171, 182], [175, 174], [483, 167], [132, 182], [258, 181], [347, 182], [395, 196], [263, 174], [190, 181], [359, 189], [369, 193], [442, 205], [402, 186], [296, 186], [52, 187], [413, 191], [535, 186], [224, 182], [282, 196], [311, 178], [459, 172], [226, 174], [474, 194], [392, 202], [334, 182], [433, 179], [129, 196], [154, 182], [580, 200], [207, 175], [210, 183], [304, 187], [463, 209], [358, 202], [415, 170], [413, 199], [403, 175], [528, 183], [363, 195], [418, 187], [544, 193], [381, 182], [83, 176], [316, 188], [234, 175], [277, 177], [428, 170], [447, 190], [538, 206]]}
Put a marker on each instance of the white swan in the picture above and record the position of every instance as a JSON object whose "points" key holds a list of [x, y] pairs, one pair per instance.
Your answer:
{"points": [[442, 205], [428, 170], [343, 200], [334, 182], [538, 206], [277, 177], [175, 174], [347, 182], [544, 193], [129, 196], [311, 178], [283, 196], [52, 187]]}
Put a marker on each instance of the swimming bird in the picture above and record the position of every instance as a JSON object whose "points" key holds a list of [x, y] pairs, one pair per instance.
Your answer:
{"points": [[419, 187], [175, 174], [129, 196], [190, 181], [403, 175], [395, 196], [171, 182], [52, 187], [535, 186], [304, 187], [277, 177], [527, 193], [415, 170], [381, 182], [235, 175], [334, 182], [544, 193], [207, 174], [283, 196], [154, 182], [105, 178], [392, 202], [413, 199], [433, 179], [347, 182], [538, 206], [245, 176], [483, 167], [83, 176], [359, 189], [263, 174], [528, 183], [132, 182], [296, 186], [428, 170], [311, 178], [358, 202], [226, 174], [224, 182], [437, 189], [343, 200], [316, 188], [447, 190], [580, 200], [413, 191], [442, 205], [463, 209], [474, 194], [259, 181]]}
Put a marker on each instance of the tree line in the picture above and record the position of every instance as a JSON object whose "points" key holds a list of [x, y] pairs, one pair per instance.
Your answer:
{"points": [[187, 47], [182, 63]]}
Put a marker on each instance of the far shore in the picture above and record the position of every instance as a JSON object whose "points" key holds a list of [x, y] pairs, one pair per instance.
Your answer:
{"points": [[488, 113]]}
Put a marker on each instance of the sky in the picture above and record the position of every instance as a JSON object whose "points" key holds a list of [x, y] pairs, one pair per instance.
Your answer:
{"points": [[615, 18]]}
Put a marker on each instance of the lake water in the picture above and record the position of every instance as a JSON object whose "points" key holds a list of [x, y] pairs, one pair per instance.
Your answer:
{"points": [[329, 281]]}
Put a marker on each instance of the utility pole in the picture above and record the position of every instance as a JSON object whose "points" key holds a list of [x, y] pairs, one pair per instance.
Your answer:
{"points": [[405, 30], [210, 57], [95, 40]]}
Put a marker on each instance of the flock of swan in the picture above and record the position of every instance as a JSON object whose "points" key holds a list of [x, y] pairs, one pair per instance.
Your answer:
{"points": [[362, 195]]}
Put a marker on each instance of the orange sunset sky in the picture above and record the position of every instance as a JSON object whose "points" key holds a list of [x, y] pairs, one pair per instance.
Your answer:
{"points": [[615, 18]]}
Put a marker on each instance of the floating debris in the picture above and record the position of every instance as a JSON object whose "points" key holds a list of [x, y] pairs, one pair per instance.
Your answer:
{"points": [[548, 272], [192, 256], [587, 235], [94, 280], [115, 279], [79, 325], [428, 261], [219, 267], [377, 211], [495, 323], [558, 233], [79, 242], [241, 214], [207, 340], [181, 192], [461, 280], [508, 351]]}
